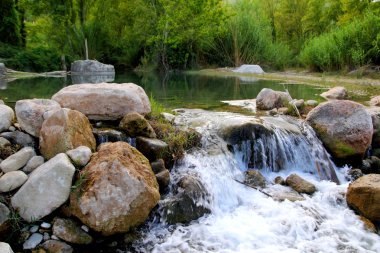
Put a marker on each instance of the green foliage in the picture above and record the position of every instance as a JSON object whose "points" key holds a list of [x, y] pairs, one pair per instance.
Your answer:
{"points": [[352, 45], [9, 23]]}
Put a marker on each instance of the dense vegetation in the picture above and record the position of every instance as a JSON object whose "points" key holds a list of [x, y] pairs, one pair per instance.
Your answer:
{"points": [[324, 35]]}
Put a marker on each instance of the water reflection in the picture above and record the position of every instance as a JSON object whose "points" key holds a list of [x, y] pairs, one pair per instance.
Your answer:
{"points": [[78, 79]]}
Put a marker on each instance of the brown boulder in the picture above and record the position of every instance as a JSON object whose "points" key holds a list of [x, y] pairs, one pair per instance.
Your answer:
{"points": [[267, 99], [104, 101], [300, 185], [65, 130], [118, 190], [136, 125], [344, 127], [335, 93], [363, 195]]}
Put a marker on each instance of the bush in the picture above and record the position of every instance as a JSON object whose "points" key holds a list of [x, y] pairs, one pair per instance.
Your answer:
{"points": [[350, 46]]}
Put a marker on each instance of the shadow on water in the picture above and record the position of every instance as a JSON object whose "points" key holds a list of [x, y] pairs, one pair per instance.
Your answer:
{"points": [[173, 90]]}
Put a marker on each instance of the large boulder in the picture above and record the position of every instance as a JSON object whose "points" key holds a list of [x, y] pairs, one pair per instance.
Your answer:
{"points": [[30, 113], [47, 188], [344, 127], [268, 99], [134, 124], [118, 191], [17, 160], [65, 130], [92, 67], [104, 101], [6, 117], [335, 93], [363, 195], [247, 68]]}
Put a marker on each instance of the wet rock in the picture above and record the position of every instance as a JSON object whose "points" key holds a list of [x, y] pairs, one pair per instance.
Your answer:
{"points": [[335, 93], [188, 204], [354, 174], [153, 149], [363, 195], [125, 187], [311, 103], [345, 141], [70, 231], [5, 248], [279, 180], [33, 163], [4, 218], [371, 165], [110, 135], [30, 113], [282, 193], [158, 166], [106, 101], [32, 241], [268, 99], [47, 188], [80, 156], [57, 247], [17, 160], [300, 185], [80, 78], [134, 124], [163, 179], [6, 117], [368, 225], [254, 178], [65, 130], [19, 138], [12, 180], [92, 67]]}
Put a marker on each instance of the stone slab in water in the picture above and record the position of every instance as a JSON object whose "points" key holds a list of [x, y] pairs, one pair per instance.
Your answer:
{"points": [[252, 69], [91, 67]]}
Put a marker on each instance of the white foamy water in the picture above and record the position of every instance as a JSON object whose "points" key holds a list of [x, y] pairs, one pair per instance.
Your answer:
{"points": [[245, 220]]}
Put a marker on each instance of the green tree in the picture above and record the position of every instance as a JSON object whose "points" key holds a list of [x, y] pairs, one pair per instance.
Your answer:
{"points": [[9, 23]]}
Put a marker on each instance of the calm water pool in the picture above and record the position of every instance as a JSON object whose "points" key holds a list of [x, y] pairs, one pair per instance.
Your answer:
{"points": [[173, 91]]}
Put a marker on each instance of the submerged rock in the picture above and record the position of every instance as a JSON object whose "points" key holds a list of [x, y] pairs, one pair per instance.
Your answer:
{"points": [[110, 135], [125, 187], [70, 231], [188, 204], [267, 99], [345, 141], [335, 93], [282, 193], [47, 188], [254, 178], [104, 101], [136, 125], [30, 113], [6, 117], [363, 195], [153, 149], [300, 185], [65, 130]]}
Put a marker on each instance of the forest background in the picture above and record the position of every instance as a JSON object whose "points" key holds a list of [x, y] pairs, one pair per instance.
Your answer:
{"points": [[321, 35]]}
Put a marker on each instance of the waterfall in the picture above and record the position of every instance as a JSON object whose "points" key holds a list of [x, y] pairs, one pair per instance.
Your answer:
{"points": [[245, 220]]}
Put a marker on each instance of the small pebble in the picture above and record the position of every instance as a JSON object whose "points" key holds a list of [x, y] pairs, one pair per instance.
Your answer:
{"points": [[45, 225], [46, 236], [33, 229], [85, 228], [12, 128]]}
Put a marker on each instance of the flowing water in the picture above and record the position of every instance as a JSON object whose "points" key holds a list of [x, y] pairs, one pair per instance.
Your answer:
{"points": [[243, 219]]}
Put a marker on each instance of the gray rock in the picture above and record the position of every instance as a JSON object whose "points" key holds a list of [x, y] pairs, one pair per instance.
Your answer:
{"points": [[299, 103], [19, 138], [46, 236], [47, 188], [189, 203], [354, 174], [12, 180], [106, 101], [5, 248], [335, 93], [32, 241], [300, 185], [92, 67], [17, 160], [344, 127], [267, 99], [152, 149], [57, 246], [33, 229], [375, 101], [134, 124], [279, 180], [168, 117], [282, 193], [4, 218], [247, 68], [158, 166], [70, 231], [6, 117], [85, 228], [163, 179], [30, 113], [45, 225], [4, 142], [12, 128], [254, 178], [311, 103], [33, 163], [80, 156]]}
